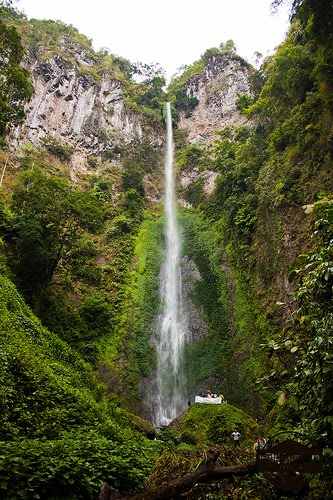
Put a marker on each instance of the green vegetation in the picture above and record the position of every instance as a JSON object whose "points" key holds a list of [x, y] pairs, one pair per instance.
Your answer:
{"points": [[49, 219], [135, 315], [36, 371], [176, 92], [86, 257], [177, 95], [196, 434], [176, 464], [192, 155], [268, 174], [148, 252], [48, 33], [57, 148], [148, 97], [15, 87], [59, 432], [225, 357], [209, 425], [204, 357], [47, 39], [72, 467], [301, 354]]}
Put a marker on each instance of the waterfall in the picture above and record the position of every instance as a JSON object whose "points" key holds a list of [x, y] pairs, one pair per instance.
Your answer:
{"points": [[171, 397]]}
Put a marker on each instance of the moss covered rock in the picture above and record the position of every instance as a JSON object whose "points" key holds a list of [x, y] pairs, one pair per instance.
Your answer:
{"points": [[207, 425], [143, 425]]}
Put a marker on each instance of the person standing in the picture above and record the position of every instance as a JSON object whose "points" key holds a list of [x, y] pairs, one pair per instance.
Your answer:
{"points": [[236, 436]]}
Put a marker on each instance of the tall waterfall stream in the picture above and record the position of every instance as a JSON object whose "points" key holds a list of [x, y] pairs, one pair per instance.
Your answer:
{"points": [[173, 327]]}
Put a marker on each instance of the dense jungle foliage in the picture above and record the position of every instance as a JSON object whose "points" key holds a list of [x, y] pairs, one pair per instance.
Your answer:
{"points": [[272, 208], [273, 198], [79, 272]]}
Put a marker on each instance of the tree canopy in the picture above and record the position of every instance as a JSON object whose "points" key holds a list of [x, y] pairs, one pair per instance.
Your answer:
{"points": [[49, 218], [15, 86]]}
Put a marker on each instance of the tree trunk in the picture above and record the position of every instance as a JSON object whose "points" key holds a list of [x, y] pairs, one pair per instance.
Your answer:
{"points": [[183, 484]]}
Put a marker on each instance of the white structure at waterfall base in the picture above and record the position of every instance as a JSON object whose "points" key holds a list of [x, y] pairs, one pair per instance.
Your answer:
{"points": [[209, 401], [171, 397]]}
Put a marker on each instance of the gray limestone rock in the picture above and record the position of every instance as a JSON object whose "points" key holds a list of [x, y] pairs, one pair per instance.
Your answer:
{"points": [[217, 88]]}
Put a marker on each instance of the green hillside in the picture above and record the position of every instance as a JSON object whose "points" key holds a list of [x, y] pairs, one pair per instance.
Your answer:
{"points": [[80, 258], [211, 425], [58, 429]]}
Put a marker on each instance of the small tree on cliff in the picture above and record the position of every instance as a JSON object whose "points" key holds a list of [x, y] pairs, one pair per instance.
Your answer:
{"points": [[15, 88]]}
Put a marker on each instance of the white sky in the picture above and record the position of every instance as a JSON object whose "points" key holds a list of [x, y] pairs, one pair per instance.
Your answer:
{"points": [[170, 33]]}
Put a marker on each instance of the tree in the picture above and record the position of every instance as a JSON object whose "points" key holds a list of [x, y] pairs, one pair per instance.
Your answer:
{"points": [[312, 323], [50, 217], [228, 47], [316, 20], [302, 357], [15, 87], [124, 65], [149, 72], [174, 488]]}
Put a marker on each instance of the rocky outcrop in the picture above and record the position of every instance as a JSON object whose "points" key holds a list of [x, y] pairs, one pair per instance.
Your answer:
{"points": [[217, 88], [76, 104], [191, 174], [196, 323]]}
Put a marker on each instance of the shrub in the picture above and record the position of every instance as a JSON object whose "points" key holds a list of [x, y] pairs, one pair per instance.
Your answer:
{"points": [[60, 149], [71, 468]]}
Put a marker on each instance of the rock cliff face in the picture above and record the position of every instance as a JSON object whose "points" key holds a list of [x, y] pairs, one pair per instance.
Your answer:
{"points": [[77, 107], [216, 87]]}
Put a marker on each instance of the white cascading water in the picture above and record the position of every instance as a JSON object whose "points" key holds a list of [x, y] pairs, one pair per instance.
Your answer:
{"points": [[171, 381]]}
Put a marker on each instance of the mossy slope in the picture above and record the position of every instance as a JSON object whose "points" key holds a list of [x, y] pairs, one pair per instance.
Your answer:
{"points": [[208, 425], [61, 437]]}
